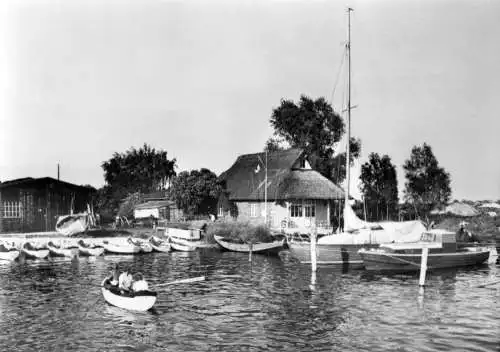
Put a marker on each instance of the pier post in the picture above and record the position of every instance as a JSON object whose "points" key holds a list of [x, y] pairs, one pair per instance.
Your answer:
{"points": [[313, 251], [250, 252], [423, 266]]}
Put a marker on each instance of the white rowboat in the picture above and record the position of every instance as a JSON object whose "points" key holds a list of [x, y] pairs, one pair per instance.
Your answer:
{"points": [[31, 252], [159, 245], [89, 250], [138, 301]]}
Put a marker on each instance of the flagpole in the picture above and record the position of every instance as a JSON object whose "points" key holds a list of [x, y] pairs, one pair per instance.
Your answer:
{"points": [[265, 193]]}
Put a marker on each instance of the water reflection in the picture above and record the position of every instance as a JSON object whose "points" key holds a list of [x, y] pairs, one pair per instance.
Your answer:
{"points": [[267, 304]]}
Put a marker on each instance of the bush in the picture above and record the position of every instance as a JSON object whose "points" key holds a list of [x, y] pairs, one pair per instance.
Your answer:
{"points": [[239, 232]]}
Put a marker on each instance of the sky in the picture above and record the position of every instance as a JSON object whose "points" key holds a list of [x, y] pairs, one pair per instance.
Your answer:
{"points": [[82, 79]]}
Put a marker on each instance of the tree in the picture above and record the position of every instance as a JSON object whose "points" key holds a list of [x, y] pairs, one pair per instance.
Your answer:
{"points": [[379, 186], [427, 184], [313, 126], [275, 144], [141, 170], [196, 192]]}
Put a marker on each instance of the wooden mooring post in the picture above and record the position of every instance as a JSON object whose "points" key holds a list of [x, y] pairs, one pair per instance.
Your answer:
{"points": [[313, 251], [423, 266], [250, 246]]}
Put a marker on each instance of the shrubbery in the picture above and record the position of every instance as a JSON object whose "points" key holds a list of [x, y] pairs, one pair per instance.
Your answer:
{"points": [[239, 232]]}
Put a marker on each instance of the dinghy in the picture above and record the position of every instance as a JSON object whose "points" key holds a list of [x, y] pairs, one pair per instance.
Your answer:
{"points": [[69, 225], [182, 245], [121, 248], [89, 250], [8, 254], [145, 246], [267, 248], [137, 301], [32, 252], [159, 245], [59, 251]]}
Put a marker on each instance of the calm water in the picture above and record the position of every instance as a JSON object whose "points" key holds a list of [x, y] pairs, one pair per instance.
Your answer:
{"points": [[267, 305]]}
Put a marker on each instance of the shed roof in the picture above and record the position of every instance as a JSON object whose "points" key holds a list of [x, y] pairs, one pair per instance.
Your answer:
{"points": [[40, 182], [154, 204]]}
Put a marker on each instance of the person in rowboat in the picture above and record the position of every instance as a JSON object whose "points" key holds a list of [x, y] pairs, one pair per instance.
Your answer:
{"points": [[125, 280], [139, 283], [114, 275]]}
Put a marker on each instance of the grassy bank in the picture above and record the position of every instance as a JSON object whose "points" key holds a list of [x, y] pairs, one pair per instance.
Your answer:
{"points": [[239, 232]]}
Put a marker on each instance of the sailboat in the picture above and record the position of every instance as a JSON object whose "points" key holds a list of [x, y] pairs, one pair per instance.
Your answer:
{"points": [[342, 248]]}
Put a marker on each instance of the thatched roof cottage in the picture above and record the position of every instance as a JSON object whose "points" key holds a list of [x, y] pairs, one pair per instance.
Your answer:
{"points": [[298, 198]]}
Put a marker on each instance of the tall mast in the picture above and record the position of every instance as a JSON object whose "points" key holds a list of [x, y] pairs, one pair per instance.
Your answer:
{"points": [[265, 193], [348, 156]]}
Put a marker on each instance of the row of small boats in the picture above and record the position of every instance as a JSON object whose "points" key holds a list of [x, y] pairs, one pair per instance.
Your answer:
{"points": [[41, 251]]}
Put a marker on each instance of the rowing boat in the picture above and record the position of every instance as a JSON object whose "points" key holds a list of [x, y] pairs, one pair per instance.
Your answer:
{"points": [[89, 250], [159, 245], [121, 248], [261, 247], [8, 254], [183, 246], [137, 301], [145, 246], [59, 251], [32, 252]]}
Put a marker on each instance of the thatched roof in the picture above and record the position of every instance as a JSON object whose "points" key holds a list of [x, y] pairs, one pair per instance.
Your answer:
{"points": [[308, 184], [245, 179]]}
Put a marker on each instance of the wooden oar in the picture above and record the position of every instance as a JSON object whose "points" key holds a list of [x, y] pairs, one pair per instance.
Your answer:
{"points": [[488, 284], [183, 281]]}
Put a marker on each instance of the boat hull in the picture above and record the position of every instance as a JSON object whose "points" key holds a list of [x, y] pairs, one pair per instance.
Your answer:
{"points": [[265, 248], [329, 254], [90, 252], [35, 254], [182, 247], [60, 252], [121, 248], [380, 260], [9, 256], [159, 245], [141, 301], [69, 225]]}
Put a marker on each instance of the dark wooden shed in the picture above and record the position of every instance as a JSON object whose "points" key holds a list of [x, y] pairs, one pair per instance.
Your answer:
{"points": [[33, 204]]}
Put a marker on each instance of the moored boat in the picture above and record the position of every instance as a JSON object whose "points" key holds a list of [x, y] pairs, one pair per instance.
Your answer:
{"points": [[145, 246], [69, 225], [59, 251], [88, 250], [137, 301], [262, 247], [183, 246], [8, 254], [121, 248], [328, 254], [443, 253], [159, 245], [31, 252]]}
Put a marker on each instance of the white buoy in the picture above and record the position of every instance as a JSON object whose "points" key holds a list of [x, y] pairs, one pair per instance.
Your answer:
{"points": [[423, 266]]}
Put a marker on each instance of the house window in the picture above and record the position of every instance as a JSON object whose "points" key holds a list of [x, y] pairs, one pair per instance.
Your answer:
{"points": [[12, 210], [302, 163], [296, 210], [253, 210], [310, 209]]}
